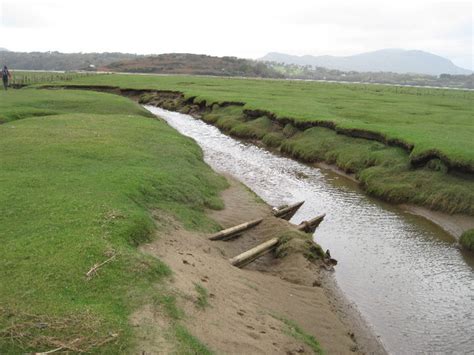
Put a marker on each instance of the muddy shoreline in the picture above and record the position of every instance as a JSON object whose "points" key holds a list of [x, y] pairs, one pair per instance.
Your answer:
{"points": [[363, 334]]}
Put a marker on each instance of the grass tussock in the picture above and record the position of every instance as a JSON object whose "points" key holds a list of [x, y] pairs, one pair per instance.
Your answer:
{"points": [[189, 344], [254, 129], [202, 300], [273, 139], [295, 242], [467, 240]]}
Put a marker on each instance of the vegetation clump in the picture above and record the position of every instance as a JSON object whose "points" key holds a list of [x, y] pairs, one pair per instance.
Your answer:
{"points": [[298, 333], [202, 300], [295, 242], [467, 239]]}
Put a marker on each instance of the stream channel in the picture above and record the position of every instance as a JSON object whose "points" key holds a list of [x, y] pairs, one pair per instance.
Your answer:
{"points": [[405, 275]]}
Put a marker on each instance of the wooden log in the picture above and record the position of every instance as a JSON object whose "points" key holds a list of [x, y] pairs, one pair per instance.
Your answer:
{"points": [[235, 231], [288, 212], [311, 225], [254, 253]]}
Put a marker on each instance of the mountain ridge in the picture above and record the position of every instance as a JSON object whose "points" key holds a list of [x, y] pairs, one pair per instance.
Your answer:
{"points": [[385, 60]]}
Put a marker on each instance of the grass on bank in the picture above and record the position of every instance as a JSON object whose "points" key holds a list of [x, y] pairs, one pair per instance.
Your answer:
{"points": [[299, 334], [467, 239], [76, 189], [202, 300], [432, 120], [177, 333], [384, 171]]}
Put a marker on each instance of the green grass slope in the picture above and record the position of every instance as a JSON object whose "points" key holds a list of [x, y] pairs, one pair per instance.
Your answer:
{"points": [[18, 104], [431, 120], [78, 189]]}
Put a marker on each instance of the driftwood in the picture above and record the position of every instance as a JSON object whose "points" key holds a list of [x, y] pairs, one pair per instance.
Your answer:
{"points": [[235, 231], [311, 225], [288, 212], [254, 253], [94, 269]]}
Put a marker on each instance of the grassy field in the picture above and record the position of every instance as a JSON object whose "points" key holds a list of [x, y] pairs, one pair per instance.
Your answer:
{"points": [[430, 120], [18, 104], [81, 174]]}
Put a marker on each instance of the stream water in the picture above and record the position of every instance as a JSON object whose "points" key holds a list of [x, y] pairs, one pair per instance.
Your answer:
{"points": [[406, 276]]}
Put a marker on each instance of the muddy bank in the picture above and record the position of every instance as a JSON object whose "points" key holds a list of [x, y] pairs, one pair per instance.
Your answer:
{"points": [[455, 225], [249, 310]]}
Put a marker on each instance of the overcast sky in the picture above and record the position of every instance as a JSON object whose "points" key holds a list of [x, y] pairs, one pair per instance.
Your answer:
{"points": [[243, 28]]}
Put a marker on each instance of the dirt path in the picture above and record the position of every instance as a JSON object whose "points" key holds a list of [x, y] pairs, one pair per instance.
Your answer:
{"points": [[248, 308]]}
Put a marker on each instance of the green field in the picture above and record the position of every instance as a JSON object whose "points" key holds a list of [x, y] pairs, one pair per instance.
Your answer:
{"points": [[82, 172], [431, 120], [438, 124]]}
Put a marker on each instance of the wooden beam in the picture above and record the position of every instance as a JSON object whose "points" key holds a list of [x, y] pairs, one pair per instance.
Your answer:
{"points": [[254, 253], [311, 225], [288, 212], [235, 231]]}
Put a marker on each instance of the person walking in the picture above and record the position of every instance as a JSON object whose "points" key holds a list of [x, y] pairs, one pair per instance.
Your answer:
{"points": [[5, 77]]}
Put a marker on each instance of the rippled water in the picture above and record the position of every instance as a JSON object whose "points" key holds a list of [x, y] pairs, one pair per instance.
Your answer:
{"points": [[405, 275]]}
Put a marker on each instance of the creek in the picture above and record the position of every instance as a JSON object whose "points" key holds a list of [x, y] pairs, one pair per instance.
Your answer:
{"points": [[406, 276]]}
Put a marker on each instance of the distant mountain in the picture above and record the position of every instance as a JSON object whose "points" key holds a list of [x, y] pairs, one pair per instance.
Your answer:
{"points": [[3, 49], [385, 60]]}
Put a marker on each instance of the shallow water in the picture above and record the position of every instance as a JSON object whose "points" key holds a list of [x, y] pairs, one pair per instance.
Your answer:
{"points": [[405, 275]]}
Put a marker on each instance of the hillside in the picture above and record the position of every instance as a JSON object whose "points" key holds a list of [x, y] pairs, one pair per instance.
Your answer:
{"points": [[385, 60], [60, 61], [185, 63]]}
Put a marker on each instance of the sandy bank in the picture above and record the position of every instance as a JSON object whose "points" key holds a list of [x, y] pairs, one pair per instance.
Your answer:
{"points": [[248, 307]]}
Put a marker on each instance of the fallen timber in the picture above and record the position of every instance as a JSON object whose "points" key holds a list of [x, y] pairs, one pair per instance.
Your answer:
{"points": [[254, 253], [288, 212], [311, 225], [235, 231]]}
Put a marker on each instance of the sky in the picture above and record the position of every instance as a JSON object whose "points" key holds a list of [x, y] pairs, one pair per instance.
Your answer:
{"points": [[242, 28]]}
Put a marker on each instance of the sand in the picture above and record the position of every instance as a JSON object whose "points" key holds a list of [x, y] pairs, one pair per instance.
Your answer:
{"points": [[246, 306]]}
